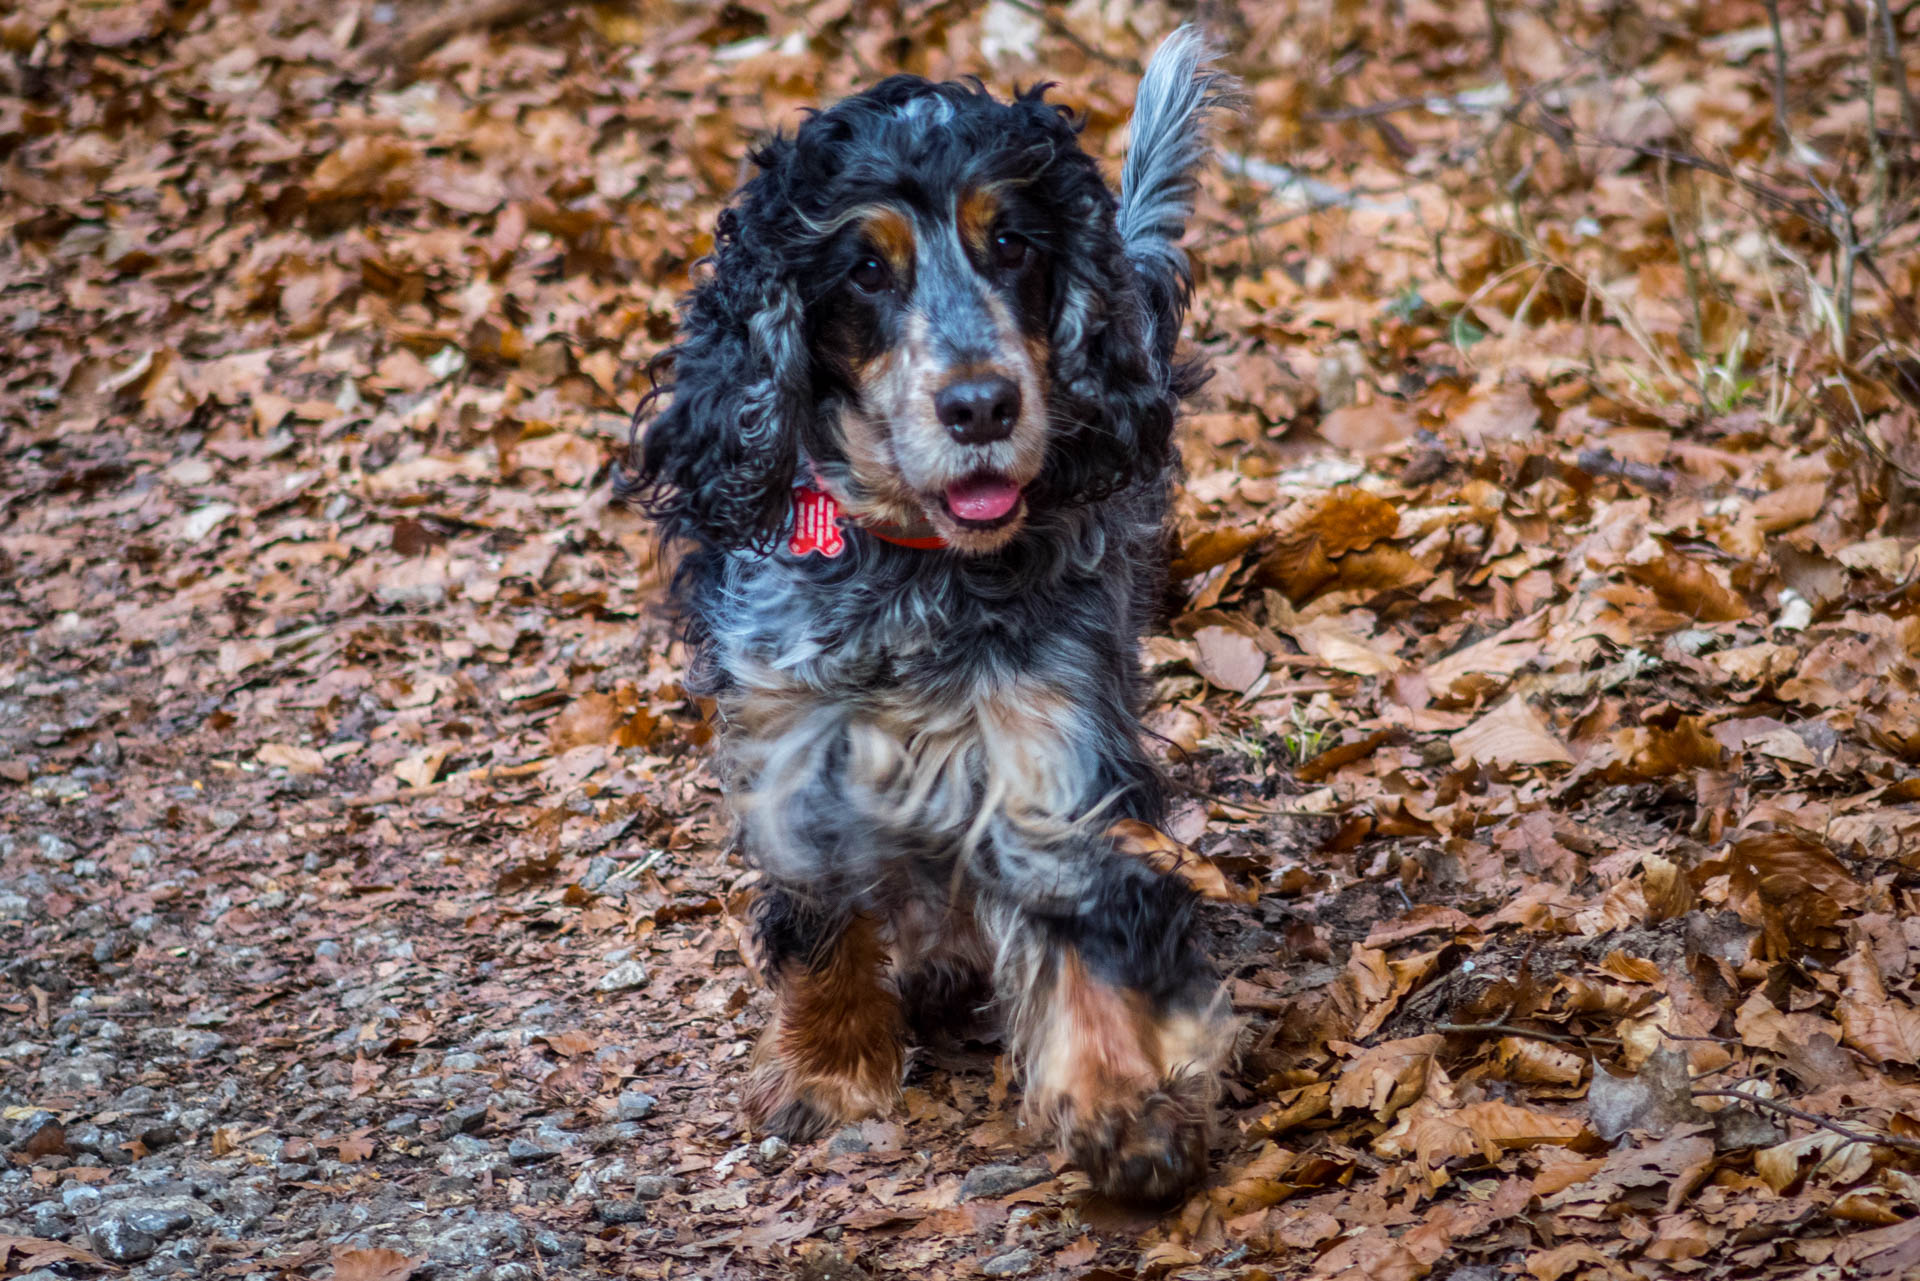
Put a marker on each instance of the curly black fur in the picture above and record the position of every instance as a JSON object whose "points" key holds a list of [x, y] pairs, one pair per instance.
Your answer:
{"points": [[899, 723]]}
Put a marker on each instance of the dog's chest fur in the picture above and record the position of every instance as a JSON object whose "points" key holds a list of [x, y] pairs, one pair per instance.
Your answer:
{"points": [[907, 706]]}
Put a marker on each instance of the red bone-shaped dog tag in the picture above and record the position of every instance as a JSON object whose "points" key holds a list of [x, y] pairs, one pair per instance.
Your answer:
{"points": [[816, 523]]}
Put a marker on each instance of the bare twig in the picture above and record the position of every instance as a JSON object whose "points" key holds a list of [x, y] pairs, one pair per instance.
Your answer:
{"points": [[404, 48], [484, 774], [1250, 807], [1783, 136], [1056, 24], [1880, 1137], [1508, 1029], [1897, 67]]}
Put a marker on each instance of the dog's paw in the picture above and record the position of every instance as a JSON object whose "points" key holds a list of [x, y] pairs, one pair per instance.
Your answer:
{"points": [[800, 1105], [1151, 1152]]}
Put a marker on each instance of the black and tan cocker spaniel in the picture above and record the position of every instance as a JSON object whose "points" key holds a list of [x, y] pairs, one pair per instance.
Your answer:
{"points": [[916, 456]]}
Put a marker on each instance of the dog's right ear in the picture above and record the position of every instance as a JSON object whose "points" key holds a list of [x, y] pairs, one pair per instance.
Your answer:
{"points": [[717, 463]]}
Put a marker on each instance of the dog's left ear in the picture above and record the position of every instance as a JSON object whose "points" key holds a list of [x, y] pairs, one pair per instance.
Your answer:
{"points": [[1105, 367], [717, 464]]}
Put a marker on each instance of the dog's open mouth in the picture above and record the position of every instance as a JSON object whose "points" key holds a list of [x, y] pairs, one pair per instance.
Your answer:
{"points": [[984, 500]]}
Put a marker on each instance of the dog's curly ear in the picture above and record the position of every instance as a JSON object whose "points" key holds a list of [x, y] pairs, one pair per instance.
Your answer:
{"points": [[716, 464], [1109, 376]]}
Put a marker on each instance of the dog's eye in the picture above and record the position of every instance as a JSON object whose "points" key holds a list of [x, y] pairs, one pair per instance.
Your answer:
{"points": [[1009, 250], [870, 274]]}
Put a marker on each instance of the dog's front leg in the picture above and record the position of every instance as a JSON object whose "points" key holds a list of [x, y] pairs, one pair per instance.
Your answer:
{"points": [[1118, 1026], [832, 1052]]}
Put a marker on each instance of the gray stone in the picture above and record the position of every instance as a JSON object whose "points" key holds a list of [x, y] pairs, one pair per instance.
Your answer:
{"points": [[1000, 1180], [1012, 1263], [476, 1236], [165, 1134], [78, 1074], [632, 1105], [523, 1151], [40, 1129], [196, 1043], [620, 1211], [623, 977], [48, 1219], [118, 1241], [775, 1152], [848, 1141], [651, 1187], [159, 1218], [464, 1120]]}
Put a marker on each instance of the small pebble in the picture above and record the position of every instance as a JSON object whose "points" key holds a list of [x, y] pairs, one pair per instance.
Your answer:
{"points": [[620, 1211], [1000, 1180], [623, 977], [118, 1241], [1009, 1264]]}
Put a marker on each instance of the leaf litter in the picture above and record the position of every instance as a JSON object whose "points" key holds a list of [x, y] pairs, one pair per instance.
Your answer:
{"points": [[1540, 669]]}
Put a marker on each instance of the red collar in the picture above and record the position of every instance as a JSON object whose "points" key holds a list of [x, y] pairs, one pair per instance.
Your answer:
{"points": [[816, 526]]}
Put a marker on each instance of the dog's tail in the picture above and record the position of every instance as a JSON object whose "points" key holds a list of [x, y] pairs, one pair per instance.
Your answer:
{"points": [[1167, 141]]}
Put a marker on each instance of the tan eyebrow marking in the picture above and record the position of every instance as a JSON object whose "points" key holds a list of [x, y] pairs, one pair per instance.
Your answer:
{"points": [[891, 232], [975, 213]]}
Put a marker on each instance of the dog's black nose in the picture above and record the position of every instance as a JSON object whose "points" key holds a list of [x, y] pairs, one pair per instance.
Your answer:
{"points": [[978, 411]]}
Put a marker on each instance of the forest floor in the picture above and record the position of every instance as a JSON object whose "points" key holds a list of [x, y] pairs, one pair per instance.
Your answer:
{"points": [[1544, 686]]}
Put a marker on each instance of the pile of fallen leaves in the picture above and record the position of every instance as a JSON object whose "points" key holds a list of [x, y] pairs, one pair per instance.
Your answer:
{"points": [[1543, 683]]}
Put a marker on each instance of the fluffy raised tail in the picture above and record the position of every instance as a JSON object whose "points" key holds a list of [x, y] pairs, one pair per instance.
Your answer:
{"points": [[1167, 141]]}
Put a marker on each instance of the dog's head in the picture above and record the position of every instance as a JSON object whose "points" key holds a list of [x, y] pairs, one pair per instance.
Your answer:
{"points": [[924, 295]]}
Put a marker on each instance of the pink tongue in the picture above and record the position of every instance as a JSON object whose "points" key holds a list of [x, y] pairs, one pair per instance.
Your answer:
{"points": [[982, 497]]}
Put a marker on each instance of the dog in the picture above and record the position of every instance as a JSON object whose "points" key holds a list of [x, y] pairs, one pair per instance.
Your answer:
{"points": [[915, 458]]}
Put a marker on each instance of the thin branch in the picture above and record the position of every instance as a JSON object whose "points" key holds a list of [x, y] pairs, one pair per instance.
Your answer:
{"points": [[404, 48], [1783, 136], [1890, 47], [1508, 1029], [1880, 1137], [1059, 27]]}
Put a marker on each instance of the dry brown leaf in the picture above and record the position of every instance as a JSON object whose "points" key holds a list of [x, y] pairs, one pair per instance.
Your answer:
{"points": [[1370, 428], [1838, 1159], [1255, 1184], [1789, 885], [1334, 642], [1788, 506], [1435, 1135], [1169, 856], [592, 718], [295, 760], [1511, 734], [422, 767], [1534, 1062], [1634, 969], [1884, 1028], [1228, 658], [1318, 534], [1387, 1077], [372, 1265], [1551, 1265], [1688, 587], [28, 1254], [1765, 1027], [1501, 413]]}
